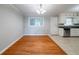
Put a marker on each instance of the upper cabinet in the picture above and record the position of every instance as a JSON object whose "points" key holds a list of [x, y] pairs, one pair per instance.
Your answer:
{"points": [[76, 20], [70, 17]]}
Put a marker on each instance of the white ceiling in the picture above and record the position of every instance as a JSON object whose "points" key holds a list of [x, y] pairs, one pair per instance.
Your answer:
{"points": [[51, 9]]}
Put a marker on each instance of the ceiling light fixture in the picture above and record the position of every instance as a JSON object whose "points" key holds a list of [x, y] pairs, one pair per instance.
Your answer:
{"points": [[41, 10]]}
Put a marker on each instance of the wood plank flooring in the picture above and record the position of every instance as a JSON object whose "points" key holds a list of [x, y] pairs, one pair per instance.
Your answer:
{"points": [[35, 45]]}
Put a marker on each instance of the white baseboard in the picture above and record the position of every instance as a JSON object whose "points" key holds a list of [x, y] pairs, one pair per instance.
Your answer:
{"points": [[10, 45], [50, 36], [34, 34], [18, 39]]}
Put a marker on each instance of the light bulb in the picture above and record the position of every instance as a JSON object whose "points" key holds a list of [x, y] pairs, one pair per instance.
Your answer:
{"points": [[41, 11]]}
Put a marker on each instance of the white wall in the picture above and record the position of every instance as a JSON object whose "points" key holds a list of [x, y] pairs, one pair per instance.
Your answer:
{"points": [[11, 25], [37, 30], [54, 25]]}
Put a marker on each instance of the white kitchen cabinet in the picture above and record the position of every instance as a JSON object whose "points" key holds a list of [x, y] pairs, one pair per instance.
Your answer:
{"points": [[61, 32], [74, 32]]}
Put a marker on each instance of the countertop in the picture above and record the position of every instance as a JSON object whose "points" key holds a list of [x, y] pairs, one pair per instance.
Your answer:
{"points": [[70, 26]]}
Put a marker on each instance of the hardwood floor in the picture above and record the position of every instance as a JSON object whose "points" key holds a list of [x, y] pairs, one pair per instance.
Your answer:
{"points": [[35, 45]]}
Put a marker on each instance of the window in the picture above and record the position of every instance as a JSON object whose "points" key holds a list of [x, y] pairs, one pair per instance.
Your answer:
{"points": [[68, 22], [36, 21]]}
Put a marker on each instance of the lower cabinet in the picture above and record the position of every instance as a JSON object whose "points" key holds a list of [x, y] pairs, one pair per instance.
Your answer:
{"points": [[74, 32], [64, 32], [61, 32]]}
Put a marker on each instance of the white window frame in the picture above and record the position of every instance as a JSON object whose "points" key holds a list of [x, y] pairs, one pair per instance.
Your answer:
{"points": [[67, 21], [35, 25]]}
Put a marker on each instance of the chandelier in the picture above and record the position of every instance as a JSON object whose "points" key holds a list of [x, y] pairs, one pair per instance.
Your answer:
{"points": [[41, 10]]}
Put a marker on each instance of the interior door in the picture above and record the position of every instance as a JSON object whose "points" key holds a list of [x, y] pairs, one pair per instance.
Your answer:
{"points": [[54, 26]]}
